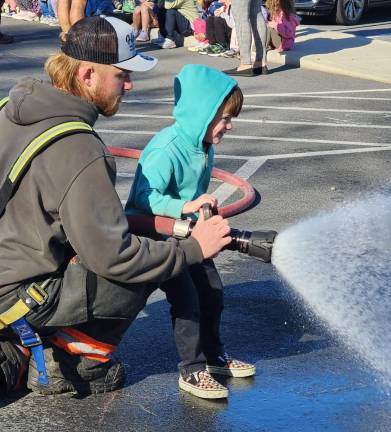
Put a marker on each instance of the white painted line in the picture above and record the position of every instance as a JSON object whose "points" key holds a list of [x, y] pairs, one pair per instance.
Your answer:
{"points": [[305, 154], [223, 192], [283, 122], [318, 92], [312, 109], [257, 138], [275, 107]]}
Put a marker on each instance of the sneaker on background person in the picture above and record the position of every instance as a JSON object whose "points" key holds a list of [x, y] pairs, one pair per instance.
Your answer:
{"points": [[143, 37], [216, 50], [198, 46], [26, 16], [231, 53], [202, 385], [168, 44], [226, 365]]}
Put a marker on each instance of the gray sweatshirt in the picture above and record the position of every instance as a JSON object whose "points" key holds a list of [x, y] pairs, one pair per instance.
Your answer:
{"points": [[67, 201]]}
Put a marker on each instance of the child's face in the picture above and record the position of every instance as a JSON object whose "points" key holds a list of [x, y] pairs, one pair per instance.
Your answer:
{"points": [[218, 127]]}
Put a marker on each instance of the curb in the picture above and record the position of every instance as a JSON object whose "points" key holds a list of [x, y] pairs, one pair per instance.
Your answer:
{"points": [[338, 53]]}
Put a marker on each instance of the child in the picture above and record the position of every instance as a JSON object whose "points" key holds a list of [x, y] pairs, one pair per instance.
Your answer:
{"points": [[282, 24], [172, 179], [144, 17]]}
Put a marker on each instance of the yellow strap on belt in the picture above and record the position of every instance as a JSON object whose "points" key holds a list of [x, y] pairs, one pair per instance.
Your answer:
{"points": [[39, 142], [17, 311], [3, 102], [37, 292]]}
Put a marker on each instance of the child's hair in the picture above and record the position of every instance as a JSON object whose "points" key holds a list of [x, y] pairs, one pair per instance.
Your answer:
{"points": [[233, 102], [204, 4], [275, 6]]}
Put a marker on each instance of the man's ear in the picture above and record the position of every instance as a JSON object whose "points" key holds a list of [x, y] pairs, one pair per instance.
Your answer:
{"points": [[85, 74]]}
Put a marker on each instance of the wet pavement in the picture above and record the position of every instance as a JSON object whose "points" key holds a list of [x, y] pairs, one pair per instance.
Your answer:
{"points": [[305, 381]]}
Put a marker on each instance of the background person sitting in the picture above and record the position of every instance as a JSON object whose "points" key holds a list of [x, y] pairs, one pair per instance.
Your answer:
{"points": [[144, 17], [282, 24], [175, 22]]}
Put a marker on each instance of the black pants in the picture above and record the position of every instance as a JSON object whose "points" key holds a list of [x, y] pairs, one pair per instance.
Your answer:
{"points": [[196, 298], [171, 21], [218, 31]]}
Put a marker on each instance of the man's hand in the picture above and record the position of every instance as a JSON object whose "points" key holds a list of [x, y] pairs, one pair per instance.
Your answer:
{"points": [[212, 235], [194, 206]]}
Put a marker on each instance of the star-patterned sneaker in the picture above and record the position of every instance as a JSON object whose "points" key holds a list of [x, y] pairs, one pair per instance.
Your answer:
{"points": [[202, 385], [226, 365]]}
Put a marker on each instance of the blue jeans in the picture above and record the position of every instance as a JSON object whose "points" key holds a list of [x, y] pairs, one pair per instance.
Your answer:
{"points": [[46, 8]]}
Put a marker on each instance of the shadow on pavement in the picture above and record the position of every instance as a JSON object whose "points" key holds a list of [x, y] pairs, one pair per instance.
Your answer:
{"points": [[260, 321]]}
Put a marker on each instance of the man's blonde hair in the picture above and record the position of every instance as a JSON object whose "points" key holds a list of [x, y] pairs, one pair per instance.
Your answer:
{"points": [[62, 71]]}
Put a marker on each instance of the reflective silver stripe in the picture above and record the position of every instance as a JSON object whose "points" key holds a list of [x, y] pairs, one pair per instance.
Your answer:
{"points": [[81, 347]]}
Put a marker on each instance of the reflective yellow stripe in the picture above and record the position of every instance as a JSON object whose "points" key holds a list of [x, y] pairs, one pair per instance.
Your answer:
{"points": [[40, 141], [3, 102], [18, 310]]}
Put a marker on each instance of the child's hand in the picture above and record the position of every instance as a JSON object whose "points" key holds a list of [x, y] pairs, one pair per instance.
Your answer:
{"points": [[195, 205]]}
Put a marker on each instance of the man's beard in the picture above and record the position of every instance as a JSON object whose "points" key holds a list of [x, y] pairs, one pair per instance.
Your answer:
{"points": [[106, 106]]}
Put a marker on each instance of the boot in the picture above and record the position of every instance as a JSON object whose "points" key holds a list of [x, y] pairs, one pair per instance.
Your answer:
{"points": [[75, 373], [13, 366]]}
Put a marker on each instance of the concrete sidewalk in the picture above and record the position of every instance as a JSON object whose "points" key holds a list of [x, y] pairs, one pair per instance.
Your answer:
{"points": [[338, 53], [326, 51]]}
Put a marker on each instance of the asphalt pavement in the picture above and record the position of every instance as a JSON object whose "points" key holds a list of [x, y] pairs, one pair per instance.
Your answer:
{"points": [[307, 141]]}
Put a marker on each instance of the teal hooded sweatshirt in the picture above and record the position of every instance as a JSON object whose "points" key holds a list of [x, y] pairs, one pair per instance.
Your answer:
{"points": [[174, 167]]}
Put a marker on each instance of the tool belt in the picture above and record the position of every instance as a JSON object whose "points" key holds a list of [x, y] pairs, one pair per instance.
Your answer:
{"points": [[14, 317]]}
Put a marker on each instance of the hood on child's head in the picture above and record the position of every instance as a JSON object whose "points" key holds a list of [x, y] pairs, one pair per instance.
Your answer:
{"points": [[199, 92]]}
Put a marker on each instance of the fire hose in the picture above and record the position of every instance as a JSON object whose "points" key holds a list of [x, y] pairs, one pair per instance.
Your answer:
{"points": [[257, 244]]}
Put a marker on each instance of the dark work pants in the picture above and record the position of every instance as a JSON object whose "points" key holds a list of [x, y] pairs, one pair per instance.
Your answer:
{"points": [[171, 21], [218, 31], [196, 298], [101, 308]]}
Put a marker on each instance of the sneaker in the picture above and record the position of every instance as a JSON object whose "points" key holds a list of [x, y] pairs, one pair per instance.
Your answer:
{"points": [[202, 385], [198, 47], [13, 366], [231, 53], [26, 16], [74, 373], [226, 365], [168, 44], [53, 22], [143, 37], [6, 39], [216, 50]]}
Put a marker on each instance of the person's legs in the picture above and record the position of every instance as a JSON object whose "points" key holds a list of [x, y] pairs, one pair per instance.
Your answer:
{"points": [[259, 30], [241, 12], [4, 39], [211, 298], [194, 378], [63, 13], [136, 24], [82, 323], [222, 32], [210, 30], [185, 314], [161, 18]]}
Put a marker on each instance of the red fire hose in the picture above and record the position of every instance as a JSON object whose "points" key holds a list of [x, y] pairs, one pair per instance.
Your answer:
{"points": [[147, 225]]}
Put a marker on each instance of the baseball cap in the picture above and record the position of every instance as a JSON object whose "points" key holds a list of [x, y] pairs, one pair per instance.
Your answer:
{"points": [[106, 40]]}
